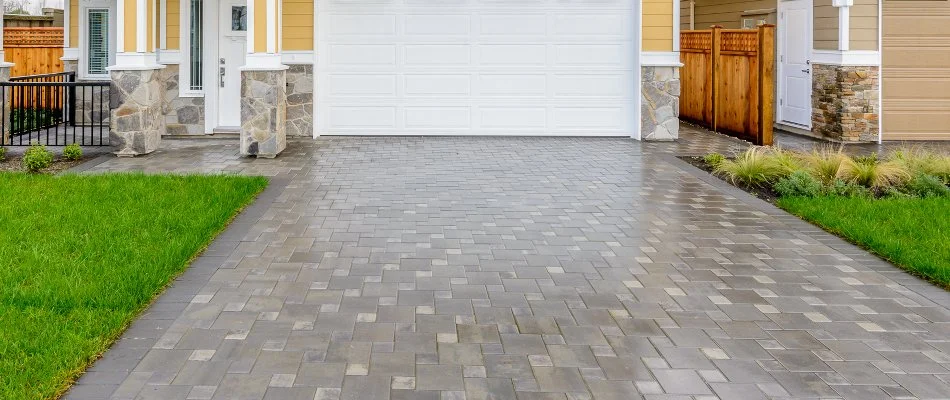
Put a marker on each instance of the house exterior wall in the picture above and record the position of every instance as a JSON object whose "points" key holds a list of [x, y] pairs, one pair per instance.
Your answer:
{"points": [[172, 24], [657, 25], [297, 21], [725, 13], [863, 26], [73, 40], [916, 70], [825, 18]]}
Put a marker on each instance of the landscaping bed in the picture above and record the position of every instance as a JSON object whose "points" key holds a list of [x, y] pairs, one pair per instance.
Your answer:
{"points": [[896, 205], [82, 255]]}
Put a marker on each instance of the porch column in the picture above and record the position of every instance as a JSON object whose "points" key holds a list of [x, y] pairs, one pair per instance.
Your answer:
{"points": [[844, 23], [263, 83], [137, 123], [4, 77]]}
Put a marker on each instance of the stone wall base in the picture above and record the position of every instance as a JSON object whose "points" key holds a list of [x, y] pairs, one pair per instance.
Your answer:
{"points": [[660, 107], [845, 102], [137, 122], [263, 113]]}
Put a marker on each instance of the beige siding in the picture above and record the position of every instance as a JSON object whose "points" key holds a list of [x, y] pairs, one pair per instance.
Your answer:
{"points": [[726, 13], [826, 25], [916, 70], [863, 25], [298, 25]]}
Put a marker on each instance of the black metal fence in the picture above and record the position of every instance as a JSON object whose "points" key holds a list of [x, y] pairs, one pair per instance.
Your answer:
{"points": [[54, 110]]}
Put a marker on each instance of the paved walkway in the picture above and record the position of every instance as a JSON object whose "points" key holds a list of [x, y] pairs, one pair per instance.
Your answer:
{"points": [[528, 268]]}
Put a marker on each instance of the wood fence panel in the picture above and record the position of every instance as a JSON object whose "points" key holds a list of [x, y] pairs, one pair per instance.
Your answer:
{"points": [[33, 51], [737, 87]]}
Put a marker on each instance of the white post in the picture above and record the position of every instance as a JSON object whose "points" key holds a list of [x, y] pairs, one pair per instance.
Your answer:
{"points": [[844, 23]]}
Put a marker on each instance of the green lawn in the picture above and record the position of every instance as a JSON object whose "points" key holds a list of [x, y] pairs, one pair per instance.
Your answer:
{"points": [[912, 233], [81, 256]]}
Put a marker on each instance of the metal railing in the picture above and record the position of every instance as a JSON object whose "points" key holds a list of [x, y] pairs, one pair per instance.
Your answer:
{"points": [[54, 110]]}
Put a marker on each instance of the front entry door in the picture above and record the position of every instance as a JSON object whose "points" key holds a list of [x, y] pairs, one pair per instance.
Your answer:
{"points": [[232, 47], [795, 50]]}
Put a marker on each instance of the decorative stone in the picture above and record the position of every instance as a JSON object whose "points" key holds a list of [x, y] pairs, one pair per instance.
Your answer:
{"points": [[300, 100], [845, 102], [137, 121], [659, 106], [263, 113], [183, 115]]}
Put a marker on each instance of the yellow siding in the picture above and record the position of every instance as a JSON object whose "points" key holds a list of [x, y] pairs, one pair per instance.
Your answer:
{"points": [[129, 27], [173, 24], [863, 25], [73, 23], [298, 24], [260, 26], [150, 26], [657, 25]]}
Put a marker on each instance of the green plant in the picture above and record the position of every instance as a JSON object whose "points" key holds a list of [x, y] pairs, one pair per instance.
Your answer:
{"points": [[927, 186], [799, 184], [787, 161], [865, 159], [873, 174], [72, 152], [37, 158], [847, 189], [3, 153], [825, 164], [752, 168], [918, 160], [713, 159]]}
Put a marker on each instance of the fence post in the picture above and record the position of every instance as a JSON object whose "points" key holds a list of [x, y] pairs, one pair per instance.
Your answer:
{"points": [[766, 111], [715, 44]]}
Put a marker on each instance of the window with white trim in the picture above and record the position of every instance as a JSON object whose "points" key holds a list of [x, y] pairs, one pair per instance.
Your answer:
{"points": [[194, 47], [191, 72], [97, 42]]}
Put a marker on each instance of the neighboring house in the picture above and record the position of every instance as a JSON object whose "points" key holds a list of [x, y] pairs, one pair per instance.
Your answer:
{"points": [[829, 63], [51, 17], [270, 68]]}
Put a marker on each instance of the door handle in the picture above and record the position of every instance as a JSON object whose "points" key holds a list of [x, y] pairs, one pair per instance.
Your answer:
{"points": [[221, 76], [807, 71]]}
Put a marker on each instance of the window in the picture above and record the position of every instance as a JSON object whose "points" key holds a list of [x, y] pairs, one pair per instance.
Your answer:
{"points": [[238, 18], [97, 45], [194, 48]]}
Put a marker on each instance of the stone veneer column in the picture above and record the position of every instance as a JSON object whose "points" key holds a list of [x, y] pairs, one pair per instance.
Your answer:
{"points": [[263, 112], [845, 102], [659, 106], [137, 122]]}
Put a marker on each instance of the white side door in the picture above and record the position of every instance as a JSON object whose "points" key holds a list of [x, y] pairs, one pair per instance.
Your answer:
{"points": [[795, 43], [232, 47]]}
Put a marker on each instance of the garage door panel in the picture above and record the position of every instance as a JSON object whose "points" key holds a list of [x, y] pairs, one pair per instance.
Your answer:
{"points": [[549, 67]]}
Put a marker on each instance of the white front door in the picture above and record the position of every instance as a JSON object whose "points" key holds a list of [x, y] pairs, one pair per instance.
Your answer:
{"points": [[232, 46], [795, 44], [477, 67]]}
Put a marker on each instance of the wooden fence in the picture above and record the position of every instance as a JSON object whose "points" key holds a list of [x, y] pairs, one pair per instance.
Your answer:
{"points": [[33, 51], [728, 81]]}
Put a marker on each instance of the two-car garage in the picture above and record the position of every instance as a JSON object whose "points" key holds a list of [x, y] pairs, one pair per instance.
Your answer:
{"points": [[487, 67]]}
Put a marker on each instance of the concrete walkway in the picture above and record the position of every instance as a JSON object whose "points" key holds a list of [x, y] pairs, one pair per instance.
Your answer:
{"points": [[528, 268]]}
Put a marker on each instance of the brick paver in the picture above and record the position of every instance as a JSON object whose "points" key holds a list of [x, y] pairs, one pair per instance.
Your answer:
{"points": [[528, 268]]}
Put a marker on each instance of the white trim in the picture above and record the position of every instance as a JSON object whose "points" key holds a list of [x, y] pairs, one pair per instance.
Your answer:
{"points": [[639, 60], [297, 57], [114, 33], [676, 25], [169, 57], [779, 52], [66, 23], [162, 24], [271, 34], [262, 62], [847, 58], [70, 54], [660, 59], [313, 121], [880, 72], [844, 23], [209, 37], [119, 25], [141, 31], [135, 62], [250, 26]]}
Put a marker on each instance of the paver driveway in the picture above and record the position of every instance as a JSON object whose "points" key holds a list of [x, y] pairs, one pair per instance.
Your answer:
{"points": [[529, 268]]}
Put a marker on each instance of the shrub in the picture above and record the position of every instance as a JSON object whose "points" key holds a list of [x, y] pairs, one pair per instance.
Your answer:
{"points": [[752, 168], [72, 152], [873, 174], [826, 164], [918, 160], [787, 161], [3, 153], [866, 159], [799, 184], [37, 158], [847, 189], [713, 159], [927, 186]]}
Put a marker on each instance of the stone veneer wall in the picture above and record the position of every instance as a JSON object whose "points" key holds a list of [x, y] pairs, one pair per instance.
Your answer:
{"points": [[137, 122], [660, 106], [845, 102], [92, 105], [300, 100], [263, 113], [183, 115]]}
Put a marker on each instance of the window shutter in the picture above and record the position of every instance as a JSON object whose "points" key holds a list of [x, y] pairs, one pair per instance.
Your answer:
{"points": [[98, 51]]}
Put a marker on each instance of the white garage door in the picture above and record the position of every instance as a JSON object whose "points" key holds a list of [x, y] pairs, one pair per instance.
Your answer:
{"points": [[476, 67]]}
